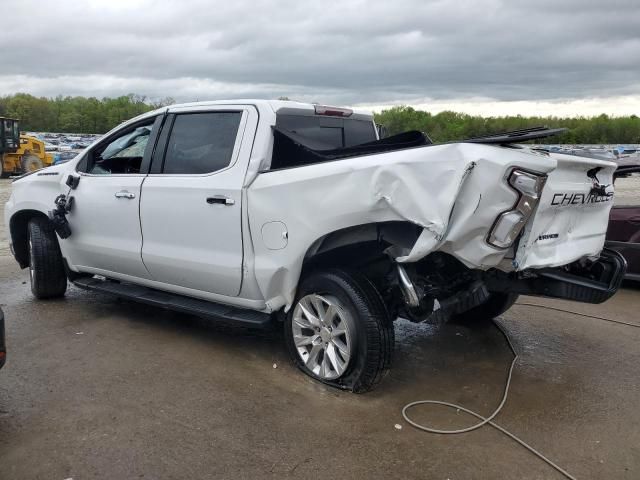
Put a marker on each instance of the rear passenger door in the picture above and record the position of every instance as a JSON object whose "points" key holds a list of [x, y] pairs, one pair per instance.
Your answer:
{"points": [[191, 203]]}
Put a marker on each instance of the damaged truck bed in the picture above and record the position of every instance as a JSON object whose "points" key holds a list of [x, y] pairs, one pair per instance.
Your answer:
{"points": [[253, 211]]}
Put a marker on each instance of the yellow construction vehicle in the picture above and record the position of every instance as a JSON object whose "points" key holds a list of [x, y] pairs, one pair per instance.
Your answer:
{"points": [[20, 153]]}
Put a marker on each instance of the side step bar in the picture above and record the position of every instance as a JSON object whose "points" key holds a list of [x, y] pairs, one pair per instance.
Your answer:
{"points": [[170, 301]]}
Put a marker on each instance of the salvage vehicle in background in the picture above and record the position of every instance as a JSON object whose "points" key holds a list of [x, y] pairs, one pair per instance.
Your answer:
{"points": [[623, 234], [63, 157], [20, 153], [258, 211]]}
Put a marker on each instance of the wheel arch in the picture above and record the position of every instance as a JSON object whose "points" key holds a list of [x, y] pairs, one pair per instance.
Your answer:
{"points": [[338, 245], [18, 229], [279, 277]]}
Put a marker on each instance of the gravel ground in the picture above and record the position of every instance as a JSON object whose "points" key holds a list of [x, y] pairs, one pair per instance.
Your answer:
{"points": [[5, 191], [95, 387], [628, 191]]}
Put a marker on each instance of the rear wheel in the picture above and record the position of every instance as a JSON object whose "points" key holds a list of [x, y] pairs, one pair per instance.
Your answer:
{"points": [[30, 163], [46, 268], [497, 304], [338, 330]]}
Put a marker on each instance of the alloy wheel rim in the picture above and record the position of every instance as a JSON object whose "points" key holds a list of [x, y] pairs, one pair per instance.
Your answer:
{"points": [[31, 260], [322, 335]]}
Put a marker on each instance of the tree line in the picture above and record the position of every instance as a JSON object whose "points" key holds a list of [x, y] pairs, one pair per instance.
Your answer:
{"points": [[447, 126], [74, 114], [93, 115]]}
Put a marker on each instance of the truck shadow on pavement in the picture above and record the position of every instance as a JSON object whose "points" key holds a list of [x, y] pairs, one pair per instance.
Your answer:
{"points": [[469, 359]]}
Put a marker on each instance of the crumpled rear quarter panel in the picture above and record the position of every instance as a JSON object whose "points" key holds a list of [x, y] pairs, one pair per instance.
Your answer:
{"points": [[453, 191]]}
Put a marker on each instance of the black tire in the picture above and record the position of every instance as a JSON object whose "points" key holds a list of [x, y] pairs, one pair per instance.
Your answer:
{"points": [[374, 334], [46, 268], [3, 174], [497, 304], [31, 163]]}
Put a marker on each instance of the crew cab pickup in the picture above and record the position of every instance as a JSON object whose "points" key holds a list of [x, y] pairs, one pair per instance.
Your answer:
{"points": [[256, 212]]}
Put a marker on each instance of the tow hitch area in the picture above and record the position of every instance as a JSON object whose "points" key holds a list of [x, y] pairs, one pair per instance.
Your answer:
{"points": [[595, 282], [440, 287]]}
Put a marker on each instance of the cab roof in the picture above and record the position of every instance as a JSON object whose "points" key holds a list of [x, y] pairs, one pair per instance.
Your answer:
{"points": [[279, 106]]}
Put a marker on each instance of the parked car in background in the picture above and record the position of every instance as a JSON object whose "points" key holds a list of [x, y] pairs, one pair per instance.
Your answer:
{"points": [[623, 234], [63, 157]]}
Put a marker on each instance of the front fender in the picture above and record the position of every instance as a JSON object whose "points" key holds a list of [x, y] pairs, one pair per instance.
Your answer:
{"points": [[31, 196]]}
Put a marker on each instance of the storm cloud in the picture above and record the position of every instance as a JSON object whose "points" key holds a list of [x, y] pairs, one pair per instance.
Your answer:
{"points": [[348, 51]]}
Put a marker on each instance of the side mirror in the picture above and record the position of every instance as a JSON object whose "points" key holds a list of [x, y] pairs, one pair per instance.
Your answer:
{"points": [[72, 182], [382, 131]]}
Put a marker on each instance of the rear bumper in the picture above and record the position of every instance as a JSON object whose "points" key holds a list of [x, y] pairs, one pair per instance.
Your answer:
{"points": [[594, 284]]}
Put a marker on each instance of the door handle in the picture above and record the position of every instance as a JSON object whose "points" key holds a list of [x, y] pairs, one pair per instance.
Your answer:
{"points": [[125, 194], [220, 199], [634, 220]]}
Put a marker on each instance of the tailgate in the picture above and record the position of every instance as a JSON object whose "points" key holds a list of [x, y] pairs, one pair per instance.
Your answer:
{"points": [[571, 218]]}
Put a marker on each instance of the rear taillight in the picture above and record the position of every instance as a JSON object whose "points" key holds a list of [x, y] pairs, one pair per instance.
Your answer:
{"points": [[509, 224], [332, 111]]}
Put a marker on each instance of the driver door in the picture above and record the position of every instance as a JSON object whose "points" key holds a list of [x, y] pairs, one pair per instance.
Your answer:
{"points": [[105, 221]]}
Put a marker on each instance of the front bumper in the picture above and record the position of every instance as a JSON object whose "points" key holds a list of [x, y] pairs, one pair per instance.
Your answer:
{"points": [[593, 284]]}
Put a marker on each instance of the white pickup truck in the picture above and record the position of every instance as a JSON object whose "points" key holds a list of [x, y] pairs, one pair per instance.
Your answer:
{"points": [[257, 212]]}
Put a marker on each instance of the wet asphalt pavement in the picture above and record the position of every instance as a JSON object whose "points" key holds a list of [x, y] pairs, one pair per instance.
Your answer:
{"points": [[96, 387]]}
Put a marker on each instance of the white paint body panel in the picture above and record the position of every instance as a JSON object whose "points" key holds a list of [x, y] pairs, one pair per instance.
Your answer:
{"points": [[224, 254], [106, 229], [449, 190], [188, 242], [581, 228]]}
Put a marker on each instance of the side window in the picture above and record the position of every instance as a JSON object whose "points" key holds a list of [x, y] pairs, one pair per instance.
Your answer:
{"points": [[123, 154], [201, 142]]}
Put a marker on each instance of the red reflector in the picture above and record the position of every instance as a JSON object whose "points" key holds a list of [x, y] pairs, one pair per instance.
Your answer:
{"points": [[333, 111]]}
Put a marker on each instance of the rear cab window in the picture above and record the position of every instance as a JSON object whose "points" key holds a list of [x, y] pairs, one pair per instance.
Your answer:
{"points": [[328, 133], [299, 139]]}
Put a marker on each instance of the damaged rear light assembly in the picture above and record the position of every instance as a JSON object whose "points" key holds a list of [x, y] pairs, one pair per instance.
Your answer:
{"points": [[509, 224]]}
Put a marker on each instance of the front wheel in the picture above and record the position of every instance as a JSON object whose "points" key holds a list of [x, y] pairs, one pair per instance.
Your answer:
{"points": [[31, 163], [3, 174], [46, 268], [338, 330]]}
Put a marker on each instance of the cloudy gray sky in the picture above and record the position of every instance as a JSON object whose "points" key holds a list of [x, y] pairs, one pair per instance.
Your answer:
{"points": [[565, 57]]}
